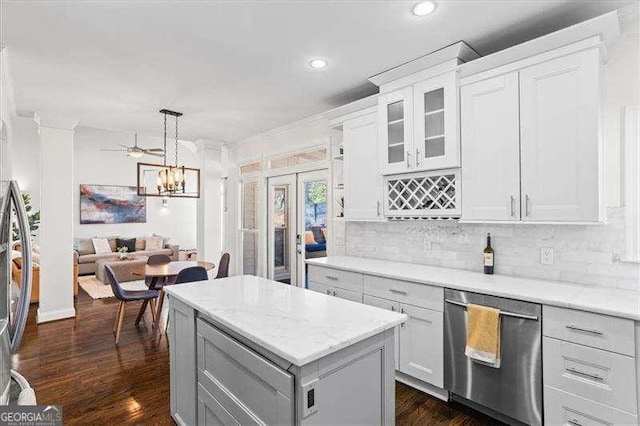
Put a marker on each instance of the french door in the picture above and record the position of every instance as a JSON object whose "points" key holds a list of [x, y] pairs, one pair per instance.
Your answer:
{"points": [[297, 224]]}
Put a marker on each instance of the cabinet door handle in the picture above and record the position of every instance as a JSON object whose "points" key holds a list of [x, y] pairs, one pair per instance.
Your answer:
{"points": [[329, 292], [393, 290], [526, 205], [573, 421], [585, 330], [378, 208], [402, 310], [584, 373], [393, 308], [512, 205], [329, 277], [408, 160], [335, 293], [417, 156]]}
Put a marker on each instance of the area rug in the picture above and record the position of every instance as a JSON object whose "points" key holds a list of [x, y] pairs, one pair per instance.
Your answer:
{"points": [[97, 290]]}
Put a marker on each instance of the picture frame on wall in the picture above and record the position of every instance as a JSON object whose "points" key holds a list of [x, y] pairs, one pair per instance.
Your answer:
{"points": [[110, 204]]}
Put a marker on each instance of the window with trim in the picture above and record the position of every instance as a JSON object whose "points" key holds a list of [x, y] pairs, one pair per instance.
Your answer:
{"points": [[310, 156], [249, 193]]}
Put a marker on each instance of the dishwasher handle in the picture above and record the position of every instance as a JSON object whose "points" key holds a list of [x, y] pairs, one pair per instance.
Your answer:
{"points": [[503, 313]]}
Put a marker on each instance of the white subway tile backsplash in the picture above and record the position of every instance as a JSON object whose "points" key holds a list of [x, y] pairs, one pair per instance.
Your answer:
{"points": [[585, 254]]}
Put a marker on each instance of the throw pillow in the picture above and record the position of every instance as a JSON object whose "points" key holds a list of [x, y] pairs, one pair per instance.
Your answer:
{"points": [[84, 246], [308, 237], [153, 243], [318, 235], [165, 240], [129, 243], [113, 243], [101, 245], [141, 243]]}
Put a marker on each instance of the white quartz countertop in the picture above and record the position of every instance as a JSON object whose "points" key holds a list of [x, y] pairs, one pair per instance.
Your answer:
{"points": [[619, 303], [298, 325]]}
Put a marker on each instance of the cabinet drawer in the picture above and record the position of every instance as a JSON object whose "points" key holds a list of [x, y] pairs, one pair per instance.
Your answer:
{"points": [[562, 408], [601, 376], [336, 278], [354, 296], [424, 296], [595, 330], [391, 306], [249, 387], [211, 412], [320, 288]]}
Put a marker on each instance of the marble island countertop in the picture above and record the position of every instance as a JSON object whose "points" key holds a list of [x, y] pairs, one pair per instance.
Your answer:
{"points": [[619, 303], [298, 325]]}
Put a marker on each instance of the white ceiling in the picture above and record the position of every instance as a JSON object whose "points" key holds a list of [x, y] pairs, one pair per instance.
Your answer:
{"points": [[239, 68]]}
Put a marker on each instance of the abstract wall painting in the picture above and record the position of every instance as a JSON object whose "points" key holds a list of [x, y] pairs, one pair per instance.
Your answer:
{"points": [[101, 204]]}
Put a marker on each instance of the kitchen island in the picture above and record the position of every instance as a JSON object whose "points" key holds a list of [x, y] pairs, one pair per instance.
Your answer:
{"points": [[247, 350]]}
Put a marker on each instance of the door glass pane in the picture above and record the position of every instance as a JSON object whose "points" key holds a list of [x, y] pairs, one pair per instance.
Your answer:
{"points": [[396, 154], [249, 253], [250, 205], [315, 219], [434, 147], [395, 111], [281, 204], [434, 100], [434, 124], [396, 133]]}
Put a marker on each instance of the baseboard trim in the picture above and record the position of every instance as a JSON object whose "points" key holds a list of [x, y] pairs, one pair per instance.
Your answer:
{"points": [[55, 315], [427, 388]]}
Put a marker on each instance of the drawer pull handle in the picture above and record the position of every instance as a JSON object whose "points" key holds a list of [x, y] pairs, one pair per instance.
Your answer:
{"points": [[583, 373], [585, 330], [329, 277], [329, 292], [393, 308], [573, 421], [393, 290]]}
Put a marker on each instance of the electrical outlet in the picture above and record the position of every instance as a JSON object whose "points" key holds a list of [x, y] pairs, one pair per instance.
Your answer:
{"points": [[547, 256]]}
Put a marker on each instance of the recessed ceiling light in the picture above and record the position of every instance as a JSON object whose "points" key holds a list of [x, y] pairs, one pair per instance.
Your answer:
{"points": [[318, 63], [423, 8]]}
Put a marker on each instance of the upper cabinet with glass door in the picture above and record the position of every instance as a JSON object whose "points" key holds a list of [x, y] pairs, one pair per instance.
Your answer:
{"points": [[418, 112], [395, 113], [435, 123]]}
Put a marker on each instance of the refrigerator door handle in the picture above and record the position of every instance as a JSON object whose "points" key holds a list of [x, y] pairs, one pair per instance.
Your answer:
{"points": [[22, 310]]}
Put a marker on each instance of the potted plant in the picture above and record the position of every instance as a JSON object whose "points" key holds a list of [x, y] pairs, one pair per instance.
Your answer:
{"points": [[32, 217], [122, 253]]}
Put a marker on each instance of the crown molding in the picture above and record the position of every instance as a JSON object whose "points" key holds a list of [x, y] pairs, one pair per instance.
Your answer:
{"points": [[54, 121]]}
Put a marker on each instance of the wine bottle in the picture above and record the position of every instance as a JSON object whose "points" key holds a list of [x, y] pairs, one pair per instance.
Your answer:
{"points": [[487, 260]]}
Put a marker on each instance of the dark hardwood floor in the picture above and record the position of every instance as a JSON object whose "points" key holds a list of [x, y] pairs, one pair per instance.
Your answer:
{"points": [[75, 363]]}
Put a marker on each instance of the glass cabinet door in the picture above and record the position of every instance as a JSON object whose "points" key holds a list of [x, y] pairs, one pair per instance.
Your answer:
{"points": [[396, 130], [436, 139]]}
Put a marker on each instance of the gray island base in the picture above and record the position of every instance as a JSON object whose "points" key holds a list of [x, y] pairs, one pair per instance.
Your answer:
{"points": [[245, 350]]}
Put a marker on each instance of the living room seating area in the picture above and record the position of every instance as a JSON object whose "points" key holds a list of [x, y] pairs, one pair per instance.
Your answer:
{"points": [[89, 251]]}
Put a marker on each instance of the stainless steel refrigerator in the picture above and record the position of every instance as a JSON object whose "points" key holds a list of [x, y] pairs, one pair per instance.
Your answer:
{"points": [[14, 299]]}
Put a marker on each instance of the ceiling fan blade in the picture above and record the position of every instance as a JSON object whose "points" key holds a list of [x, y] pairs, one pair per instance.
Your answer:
{"points": [[124, 146], [155, 150], [114, 150], [155, 155]]}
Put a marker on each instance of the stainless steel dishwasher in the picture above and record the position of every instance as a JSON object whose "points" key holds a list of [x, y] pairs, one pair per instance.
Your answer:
{"points": [[513, 392]]}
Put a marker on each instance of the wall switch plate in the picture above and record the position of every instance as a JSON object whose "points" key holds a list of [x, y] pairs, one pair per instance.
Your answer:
{"points": [[310, 399], [547, 256]]}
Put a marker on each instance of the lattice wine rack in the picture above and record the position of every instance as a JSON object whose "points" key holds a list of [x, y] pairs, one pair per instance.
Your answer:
{"points": [[427, 195]]}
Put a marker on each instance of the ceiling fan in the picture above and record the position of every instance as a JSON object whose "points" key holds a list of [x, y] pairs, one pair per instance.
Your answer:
{"points": [[136, 152]]}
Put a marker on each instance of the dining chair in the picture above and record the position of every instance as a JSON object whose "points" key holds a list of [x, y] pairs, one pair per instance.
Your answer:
{"points": [[223, 266], [147, 296], [194, 273]]}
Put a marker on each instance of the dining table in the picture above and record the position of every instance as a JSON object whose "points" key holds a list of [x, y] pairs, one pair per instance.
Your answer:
{"points": [[164, 274]]}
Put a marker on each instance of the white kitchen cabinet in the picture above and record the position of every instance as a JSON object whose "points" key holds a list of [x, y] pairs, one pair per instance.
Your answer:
{"points": [[391, 305], [490, 149], [362, 177], [395, 118], [418, 126], [421, 345], [559, 119], [435, 106], [530, 143]]}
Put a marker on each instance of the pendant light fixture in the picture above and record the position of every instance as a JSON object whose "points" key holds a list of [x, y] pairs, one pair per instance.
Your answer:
{"points": [[171, 180]]}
